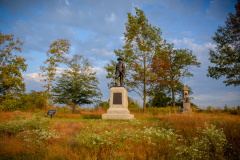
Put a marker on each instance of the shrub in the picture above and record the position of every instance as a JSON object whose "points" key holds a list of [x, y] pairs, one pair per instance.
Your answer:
{"points": [[37, 121], [38, 136], [210, 143], [209, 109], [92, 137], [238, 110], [10, 105]]}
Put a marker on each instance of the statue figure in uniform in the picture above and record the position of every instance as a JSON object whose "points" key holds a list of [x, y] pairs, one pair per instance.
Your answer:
{"points": [[120, 72]]}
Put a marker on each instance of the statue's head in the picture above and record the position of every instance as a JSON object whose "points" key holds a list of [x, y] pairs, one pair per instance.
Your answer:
{"points": [[119, 59]]}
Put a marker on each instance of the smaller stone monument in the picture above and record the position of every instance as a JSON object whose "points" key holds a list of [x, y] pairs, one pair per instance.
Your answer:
{"points": [[186, 107]]}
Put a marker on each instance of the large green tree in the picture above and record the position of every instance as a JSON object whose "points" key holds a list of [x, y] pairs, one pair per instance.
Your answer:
{"points": [[180, 62], [143, 47], [77, 84], [227, 55], [11, 80], [55, 56]]}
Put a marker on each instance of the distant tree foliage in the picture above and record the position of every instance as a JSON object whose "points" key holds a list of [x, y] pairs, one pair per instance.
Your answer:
{"points": [[7, 44], [33, 100], [77, 84], [11, 80], [25, 102], [227, 54], [104, 105], [162, 95], [55, 55], [133, 104]]}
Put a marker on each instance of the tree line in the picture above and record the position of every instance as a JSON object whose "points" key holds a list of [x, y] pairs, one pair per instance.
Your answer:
{"points": [[76, 85], [154, 68]]}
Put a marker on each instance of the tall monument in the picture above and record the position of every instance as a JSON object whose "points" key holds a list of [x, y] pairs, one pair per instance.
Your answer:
{"points": [[118, 97], [186, 106]]}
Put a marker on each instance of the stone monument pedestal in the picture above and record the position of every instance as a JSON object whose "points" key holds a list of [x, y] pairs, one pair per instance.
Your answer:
{"points": [[118, 104], [186, 108]]}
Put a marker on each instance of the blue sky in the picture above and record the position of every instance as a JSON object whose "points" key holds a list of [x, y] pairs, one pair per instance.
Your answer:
{"points": [[95, 28]]}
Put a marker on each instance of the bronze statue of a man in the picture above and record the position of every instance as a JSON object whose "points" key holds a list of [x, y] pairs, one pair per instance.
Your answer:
{"points": [[120, 71]]}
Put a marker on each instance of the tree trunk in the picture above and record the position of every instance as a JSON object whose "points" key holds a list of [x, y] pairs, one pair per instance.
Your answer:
{"points": [[73, 108], [144, 84], [173, 97], [48, 87], [3, 60]]}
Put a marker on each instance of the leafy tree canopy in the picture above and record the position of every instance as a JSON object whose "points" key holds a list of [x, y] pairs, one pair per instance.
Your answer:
{"points": [[11, 80], [7, 44], [55, 56], [77, 84], [227, 55]]}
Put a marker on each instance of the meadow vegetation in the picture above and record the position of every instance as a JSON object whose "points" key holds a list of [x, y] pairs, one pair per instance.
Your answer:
{"points": [[159, 133]]}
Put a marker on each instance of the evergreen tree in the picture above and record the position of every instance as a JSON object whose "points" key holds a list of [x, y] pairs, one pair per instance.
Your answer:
{"points": [[77, 84]]}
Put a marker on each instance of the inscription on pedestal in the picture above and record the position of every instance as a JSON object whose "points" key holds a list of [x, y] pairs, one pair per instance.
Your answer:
{"points": [[117, 98]]}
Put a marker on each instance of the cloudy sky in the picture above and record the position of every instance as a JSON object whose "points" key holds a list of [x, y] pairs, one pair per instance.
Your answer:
{"points": [[95, 28]]}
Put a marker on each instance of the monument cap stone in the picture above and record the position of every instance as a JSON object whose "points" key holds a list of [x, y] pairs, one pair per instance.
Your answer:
{"points": [[185, 88]]}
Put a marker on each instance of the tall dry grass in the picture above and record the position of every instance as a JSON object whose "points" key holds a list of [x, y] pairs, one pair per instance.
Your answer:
{"points": [[86, 136]]}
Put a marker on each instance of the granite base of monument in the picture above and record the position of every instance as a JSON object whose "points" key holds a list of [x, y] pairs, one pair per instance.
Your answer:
{"points": [[118, 104], [186, 108]]}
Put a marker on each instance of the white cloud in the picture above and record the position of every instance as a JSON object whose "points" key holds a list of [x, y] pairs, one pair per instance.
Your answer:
{"points": [[99, 71], [32, 77], [35, 76], [234, 94], [200, 50], [111, 18], [193, 46], [185, 41], [122, 41], [200, 99], [205, 46], [59, 71], [67, 2], [222, 100]]}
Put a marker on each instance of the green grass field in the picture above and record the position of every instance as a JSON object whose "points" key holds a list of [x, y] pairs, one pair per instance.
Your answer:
{"points": [[149, 136]]}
